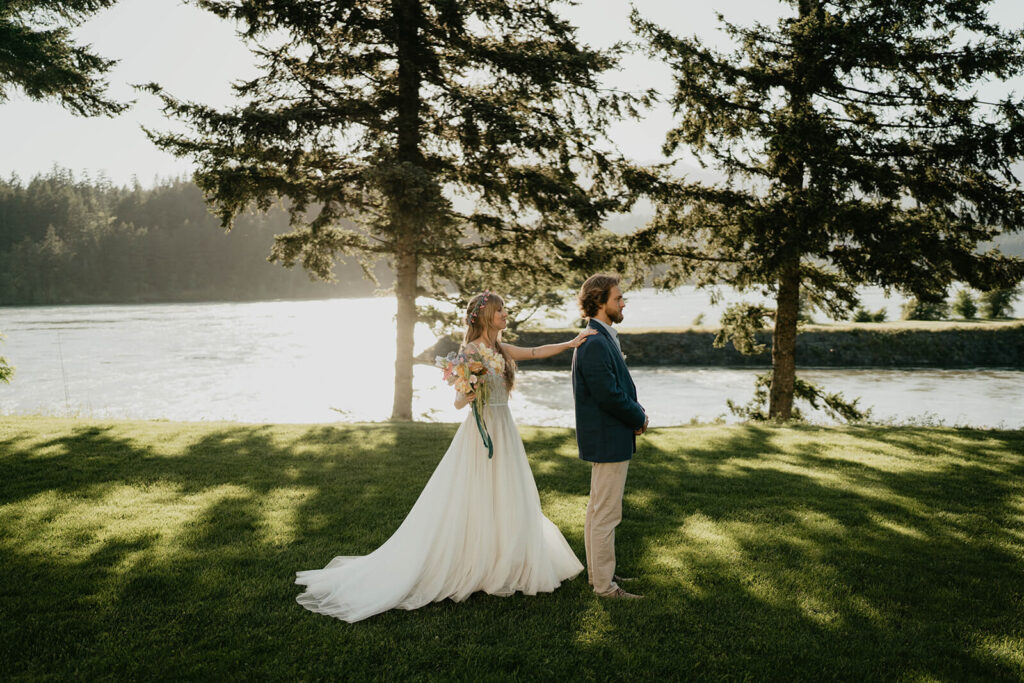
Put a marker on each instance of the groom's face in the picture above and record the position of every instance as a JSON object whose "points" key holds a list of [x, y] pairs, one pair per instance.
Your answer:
{"points": [[615, 304]]}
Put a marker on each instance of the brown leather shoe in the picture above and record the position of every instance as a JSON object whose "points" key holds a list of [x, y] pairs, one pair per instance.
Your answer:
{"points": [[619, 593]]}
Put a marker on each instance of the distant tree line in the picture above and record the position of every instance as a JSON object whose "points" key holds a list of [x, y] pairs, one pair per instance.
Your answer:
{"points": [[75, 241], [990, 304]]}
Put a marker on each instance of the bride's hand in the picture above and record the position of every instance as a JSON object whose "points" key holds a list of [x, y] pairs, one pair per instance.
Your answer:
{"points": [[582, 337], [463, 400]]}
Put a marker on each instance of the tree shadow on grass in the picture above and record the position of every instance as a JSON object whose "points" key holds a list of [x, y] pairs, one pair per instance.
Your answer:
{"points": [[907, 562], [894, 570], [198, 531], [764, 552]]}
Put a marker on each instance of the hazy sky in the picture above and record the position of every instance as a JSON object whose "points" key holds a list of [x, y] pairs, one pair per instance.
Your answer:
{"points": [[195, 56]]}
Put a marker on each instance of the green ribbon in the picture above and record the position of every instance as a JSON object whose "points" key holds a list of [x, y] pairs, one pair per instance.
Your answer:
{"points": [[483, 430]]}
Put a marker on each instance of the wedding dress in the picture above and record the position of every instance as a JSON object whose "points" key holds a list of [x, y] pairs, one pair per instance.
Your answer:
{"points": [[476, 526]]}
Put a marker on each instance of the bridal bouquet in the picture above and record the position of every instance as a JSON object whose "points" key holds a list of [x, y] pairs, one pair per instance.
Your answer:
{"points": [[467, 371]]}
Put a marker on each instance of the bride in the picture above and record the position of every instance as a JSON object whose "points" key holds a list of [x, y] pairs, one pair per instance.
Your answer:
{"points": [[476, 526]]}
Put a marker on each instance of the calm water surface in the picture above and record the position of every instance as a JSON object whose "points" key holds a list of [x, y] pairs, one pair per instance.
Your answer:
{"points": [[330, 360]]}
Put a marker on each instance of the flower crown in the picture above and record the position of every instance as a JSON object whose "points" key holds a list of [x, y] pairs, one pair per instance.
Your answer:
{"points": [[476, 309]]}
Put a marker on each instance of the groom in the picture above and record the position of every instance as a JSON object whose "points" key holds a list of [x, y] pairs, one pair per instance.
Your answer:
{"points": [[608, 418]]}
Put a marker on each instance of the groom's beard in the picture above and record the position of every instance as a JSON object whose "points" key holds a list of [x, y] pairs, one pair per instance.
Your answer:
{"points": [[615, 317]]}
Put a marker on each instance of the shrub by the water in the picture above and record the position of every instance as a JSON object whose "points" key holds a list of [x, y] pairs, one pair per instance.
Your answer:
{"points": [[964, 305], [863, 315], [915, 309], [998, 303], [806, 309]]}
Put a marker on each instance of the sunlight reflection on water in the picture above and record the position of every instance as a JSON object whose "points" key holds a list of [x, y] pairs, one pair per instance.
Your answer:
{"points": [[330, 360]]}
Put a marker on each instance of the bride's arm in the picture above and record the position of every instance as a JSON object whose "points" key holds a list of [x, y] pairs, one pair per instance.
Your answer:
{"points": [[518, 353]]}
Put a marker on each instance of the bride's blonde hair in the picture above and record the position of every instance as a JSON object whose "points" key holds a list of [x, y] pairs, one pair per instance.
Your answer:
{"points": [[479, 319]]}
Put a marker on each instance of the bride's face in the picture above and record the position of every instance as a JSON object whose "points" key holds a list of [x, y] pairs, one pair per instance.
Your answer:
{"points": [[500, 319]]}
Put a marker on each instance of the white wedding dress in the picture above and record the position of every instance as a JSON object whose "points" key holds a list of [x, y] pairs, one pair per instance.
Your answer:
{"points": [[476, 526]]}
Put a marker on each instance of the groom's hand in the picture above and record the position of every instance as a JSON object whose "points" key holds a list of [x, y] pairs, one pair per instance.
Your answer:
{"points": [[643, 429]]}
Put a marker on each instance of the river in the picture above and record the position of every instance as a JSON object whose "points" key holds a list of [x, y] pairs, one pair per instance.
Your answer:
{"points": [[331, 360]]}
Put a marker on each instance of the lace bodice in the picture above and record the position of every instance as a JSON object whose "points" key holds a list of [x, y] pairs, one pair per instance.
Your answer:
{"points": [[498, 392]]}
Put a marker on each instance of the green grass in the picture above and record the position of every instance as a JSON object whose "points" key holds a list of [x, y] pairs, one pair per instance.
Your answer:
{"points": [[158, 550]]}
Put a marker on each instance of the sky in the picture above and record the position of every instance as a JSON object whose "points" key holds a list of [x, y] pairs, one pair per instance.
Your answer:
{"points": [[196, 56]]}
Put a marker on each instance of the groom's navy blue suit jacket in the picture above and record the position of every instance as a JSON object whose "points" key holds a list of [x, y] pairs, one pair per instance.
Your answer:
{"points": [[607, 413]]}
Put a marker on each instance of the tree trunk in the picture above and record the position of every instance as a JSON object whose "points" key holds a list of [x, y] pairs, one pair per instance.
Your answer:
{"points": [[787, 304], [406, 219], [780, 402], [405, 292]]}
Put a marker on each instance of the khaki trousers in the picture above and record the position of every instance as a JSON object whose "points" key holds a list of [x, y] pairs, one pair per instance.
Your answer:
{"points": [[604, 512]]}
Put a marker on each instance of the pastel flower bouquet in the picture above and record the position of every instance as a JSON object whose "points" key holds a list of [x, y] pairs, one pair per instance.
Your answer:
{"points": [[467, 371]]}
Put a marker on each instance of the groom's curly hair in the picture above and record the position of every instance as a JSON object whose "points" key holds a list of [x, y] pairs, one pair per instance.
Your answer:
{"points": [[594, 293]]}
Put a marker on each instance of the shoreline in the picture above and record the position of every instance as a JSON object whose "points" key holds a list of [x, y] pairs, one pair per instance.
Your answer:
{"points": [[894, 345]]}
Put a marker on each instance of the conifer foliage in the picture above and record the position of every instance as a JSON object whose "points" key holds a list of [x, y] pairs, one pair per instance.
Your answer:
{"points": [[39, 58], [858, 149], [462, 137]]}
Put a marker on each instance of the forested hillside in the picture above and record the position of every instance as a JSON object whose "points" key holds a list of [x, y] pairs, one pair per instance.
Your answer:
{"points": [[70, 240]]}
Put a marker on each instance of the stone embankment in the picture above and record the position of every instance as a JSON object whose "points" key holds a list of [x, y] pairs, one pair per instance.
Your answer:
{"points": [[897, 345]]}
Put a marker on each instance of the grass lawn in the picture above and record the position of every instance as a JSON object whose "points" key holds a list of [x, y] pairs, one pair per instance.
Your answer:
{"points": [[160, 550]]}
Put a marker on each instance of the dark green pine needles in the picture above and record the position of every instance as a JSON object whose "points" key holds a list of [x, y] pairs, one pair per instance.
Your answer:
{"points": [[462, 142], [858, 150]]}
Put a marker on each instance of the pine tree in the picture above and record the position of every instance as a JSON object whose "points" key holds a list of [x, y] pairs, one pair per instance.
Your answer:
{"points": [[964, 305], [461, 136], [856, 151], [39, 58]]}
